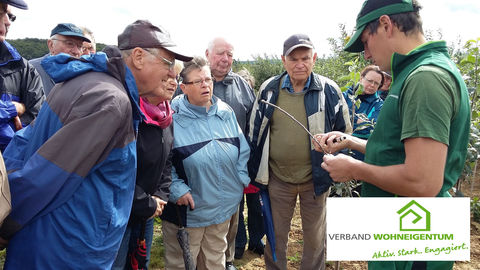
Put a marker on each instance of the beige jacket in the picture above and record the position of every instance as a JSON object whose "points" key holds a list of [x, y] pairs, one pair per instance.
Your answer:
{"points": [[5, 202]]}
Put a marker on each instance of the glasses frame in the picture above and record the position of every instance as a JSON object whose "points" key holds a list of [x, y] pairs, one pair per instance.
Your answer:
{"points": [[200, 82], [170, 64], [11, 17], [376, 84], [87, 49], [69, 43]]}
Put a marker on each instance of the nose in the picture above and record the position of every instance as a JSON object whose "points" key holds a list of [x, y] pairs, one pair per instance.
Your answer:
{"points": [[366, 54], [6, 20], [224, 57], [173, 83], [77, 52]]}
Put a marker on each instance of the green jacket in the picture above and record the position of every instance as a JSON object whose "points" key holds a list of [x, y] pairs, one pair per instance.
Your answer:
{"points": [[385, 146]]}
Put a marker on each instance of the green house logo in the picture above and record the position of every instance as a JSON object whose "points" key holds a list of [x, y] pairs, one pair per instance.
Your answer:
{"points": [[414, 217]]}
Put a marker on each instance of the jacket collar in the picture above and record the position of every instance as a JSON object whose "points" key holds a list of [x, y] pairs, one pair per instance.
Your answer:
{"points": [[8, 54], [400, 61], [191, 113], [228, 78]]}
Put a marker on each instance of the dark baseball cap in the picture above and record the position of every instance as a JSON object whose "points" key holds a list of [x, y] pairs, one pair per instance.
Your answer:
{"points": [[16, 3], [372, 10], [144, 34], [69, 29], [296, 41]]}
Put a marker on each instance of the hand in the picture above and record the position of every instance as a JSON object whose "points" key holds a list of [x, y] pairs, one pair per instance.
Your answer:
{"points": [[187, 199], [332, 142], [20, 108], [17, 123], [160, 206], [339, 167]]}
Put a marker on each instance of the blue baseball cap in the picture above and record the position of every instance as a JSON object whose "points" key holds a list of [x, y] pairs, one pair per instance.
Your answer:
{"points": [[16, 3], [69, 29]]}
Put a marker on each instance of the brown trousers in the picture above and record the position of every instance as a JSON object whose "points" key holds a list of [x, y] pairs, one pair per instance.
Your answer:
{"points": [[283, 198]]}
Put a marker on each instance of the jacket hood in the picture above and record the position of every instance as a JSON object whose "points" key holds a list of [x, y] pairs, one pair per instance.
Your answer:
{"points": [[63, 67]]}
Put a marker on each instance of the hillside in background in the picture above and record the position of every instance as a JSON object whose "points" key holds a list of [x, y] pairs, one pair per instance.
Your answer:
{"points": [[31, 48]]}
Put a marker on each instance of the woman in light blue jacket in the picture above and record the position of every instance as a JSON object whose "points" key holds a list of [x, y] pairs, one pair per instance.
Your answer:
{"points": [[210, 155]]}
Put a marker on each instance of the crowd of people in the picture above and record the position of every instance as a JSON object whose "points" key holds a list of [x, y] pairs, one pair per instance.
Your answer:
{"points": [[96, 145]]}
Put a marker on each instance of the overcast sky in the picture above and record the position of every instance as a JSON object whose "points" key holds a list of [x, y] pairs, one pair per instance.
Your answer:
{"points": [[254, 27]]}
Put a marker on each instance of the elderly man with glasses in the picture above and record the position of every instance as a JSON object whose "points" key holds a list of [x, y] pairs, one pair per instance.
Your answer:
{"points": [[64, 38], [73, 172], [20, 85]]}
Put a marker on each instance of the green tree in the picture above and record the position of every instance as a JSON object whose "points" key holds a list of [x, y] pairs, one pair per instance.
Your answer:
{"points": [[30, 48], [470, 69], [261, 68], [342, 67]]}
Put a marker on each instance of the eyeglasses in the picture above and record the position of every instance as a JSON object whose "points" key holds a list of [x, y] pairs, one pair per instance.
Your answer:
{"points": [[87, 48], [70, 44], [376, 84], [11, 17], [170, 64], [207, 80]]}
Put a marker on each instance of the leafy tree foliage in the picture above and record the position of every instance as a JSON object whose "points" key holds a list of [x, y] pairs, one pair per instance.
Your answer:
{"points": [[30, 48], [261, 68], [340, 66]]}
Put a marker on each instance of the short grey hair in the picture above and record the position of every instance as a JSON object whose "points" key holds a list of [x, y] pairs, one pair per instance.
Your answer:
{"points": [[197, 62], [89, 33], [127, 53], [214, 41]]}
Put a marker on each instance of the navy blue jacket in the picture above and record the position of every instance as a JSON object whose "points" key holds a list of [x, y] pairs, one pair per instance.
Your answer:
{"points": [[370, 106], [324, 103]]}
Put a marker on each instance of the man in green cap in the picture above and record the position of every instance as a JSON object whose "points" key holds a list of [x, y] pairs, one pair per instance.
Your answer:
{"points": [[419, 144]]}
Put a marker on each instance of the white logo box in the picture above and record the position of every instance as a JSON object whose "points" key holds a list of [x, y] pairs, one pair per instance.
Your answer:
{"points": [[398, 229]]}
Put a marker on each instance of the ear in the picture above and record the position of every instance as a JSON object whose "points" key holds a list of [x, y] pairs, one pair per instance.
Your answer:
{"points": [[386, 24], [283, 60], [138, 58], [183, 87], [206, 53], [314, 57], [50, 46]]}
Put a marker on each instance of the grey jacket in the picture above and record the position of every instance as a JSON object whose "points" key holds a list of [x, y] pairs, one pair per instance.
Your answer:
{"points": [[238, 94], [46, 79]]}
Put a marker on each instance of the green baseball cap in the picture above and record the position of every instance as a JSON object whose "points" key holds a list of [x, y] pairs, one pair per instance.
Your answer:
{"points": [[372, 10]]}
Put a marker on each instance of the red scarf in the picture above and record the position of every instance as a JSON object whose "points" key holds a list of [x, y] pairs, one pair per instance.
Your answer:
{"points": [[160, 115]]}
